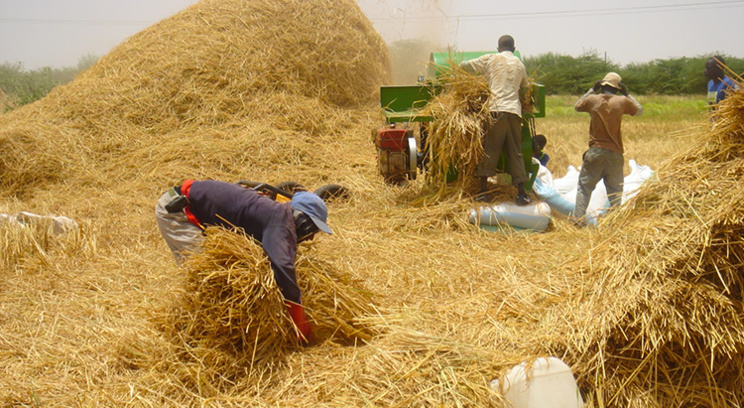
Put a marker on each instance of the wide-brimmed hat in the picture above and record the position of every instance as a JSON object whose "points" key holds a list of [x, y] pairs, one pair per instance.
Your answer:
{"points": [[314, 206], [612, 79]]}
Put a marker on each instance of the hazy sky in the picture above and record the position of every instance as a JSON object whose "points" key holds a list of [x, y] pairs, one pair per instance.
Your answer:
{"points": [[58, 33]]}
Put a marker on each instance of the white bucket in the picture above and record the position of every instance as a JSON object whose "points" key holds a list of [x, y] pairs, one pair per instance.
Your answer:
{"points": [[548, 383]]}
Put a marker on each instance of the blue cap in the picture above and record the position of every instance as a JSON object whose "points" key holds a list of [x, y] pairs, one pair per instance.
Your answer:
{"points": [[314, 206]]}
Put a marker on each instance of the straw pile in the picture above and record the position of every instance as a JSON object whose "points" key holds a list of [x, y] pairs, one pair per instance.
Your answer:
{"points": [[29, 245], [651, 316], [19, 243], [231, 317], [206, 73], [662, 323], [455, 138]]}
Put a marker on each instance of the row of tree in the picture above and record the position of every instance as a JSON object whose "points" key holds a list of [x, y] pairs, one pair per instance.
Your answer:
{"points": [[565, 74], [561, 74]]}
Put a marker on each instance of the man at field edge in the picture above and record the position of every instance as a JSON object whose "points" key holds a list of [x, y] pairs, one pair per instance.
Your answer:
{"points": [[604, 158], [183, 211], [507, 77], [718, 82]]}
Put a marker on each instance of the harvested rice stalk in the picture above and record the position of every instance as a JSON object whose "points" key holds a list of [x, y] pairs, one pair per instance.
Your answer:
{"points": [[233, 314], [232, 302], [729, 116], [454, 140], [30, 243], [333, 302], [527, 99], [19, 244], [455, 136]]}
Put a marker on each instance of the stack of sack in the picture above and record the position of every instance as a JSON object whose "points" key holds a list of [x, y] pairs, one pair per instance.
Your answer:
{"points": [[557, 195], [560, 194]]}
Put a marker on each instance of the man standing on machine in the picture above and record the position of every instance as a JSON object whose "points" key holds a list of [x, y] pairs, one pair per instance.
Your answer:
{"points": [[183, 211], [507, 77]]}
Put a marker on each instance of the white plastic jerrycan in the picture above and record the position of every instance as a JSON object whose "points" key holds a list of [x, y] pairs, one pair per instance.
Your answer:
{"points": [[548, 383]]}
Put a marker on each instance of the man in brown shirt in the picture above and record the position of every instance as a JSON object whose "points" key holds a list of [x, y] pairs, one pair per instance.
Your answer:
{"points": [[604, 159]]}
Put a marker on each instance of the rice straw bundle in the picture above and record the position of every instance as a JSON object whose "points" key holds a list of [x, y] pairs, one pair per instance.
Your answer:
{"points": [[233, 311], [19, 244], [527, 99], [729, 116], [455, 137], [334, 301], [234, 301]]}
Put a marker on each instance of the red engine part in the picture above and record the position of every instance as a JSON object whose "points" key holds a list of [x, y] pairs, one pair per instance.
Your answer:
{"points": [[393, 139], [396, 154]]}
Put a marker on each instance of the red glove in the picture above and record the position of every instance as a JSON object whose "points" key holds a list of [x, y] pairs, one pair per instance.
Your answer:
{"points": [[302, 326]]}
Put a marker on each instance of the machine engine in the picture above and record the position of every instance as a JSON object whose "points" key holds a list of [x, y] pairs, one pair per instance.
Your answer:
{"points": [[396, 154]]}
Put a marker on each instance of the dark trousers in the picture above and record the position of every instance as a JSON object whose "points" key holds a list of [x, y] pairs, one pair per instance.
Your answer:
{"points": [[599, 164], [504, 135]]}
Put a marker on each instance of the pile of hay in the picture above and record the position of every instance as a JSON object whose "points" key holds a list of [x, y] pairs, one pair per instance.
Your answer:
{"points": [[29, 244], [19, 244], [454, 140], [242, 77], [231, 318], [233, 89]]}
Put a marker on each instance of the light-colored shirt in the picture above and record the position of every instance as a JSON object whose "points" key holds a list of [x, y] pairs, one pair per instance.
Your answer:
{"points": [[505, 74]]}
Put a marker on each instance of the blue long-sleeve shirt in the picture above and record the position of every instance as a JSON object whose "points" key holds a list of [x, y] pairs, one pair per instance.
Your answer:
{"points": [[717, 89], [268, 221]]}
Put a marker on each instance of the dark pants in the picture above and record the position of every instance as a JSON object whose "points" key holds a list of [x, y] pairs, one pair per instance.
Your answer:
{"points": [[599, 164], [505, 135]]}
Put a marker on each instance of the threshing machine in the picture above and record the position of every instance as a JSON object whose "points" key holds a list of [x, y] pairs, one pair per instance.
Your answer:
{"points": [[401, 147]]}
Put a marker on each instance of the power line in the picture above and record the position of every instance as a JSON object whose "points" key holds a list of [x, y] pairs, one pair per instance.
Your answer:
{"points": [[75, 22], [625, 10], [580, 13], [463, 17]]}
